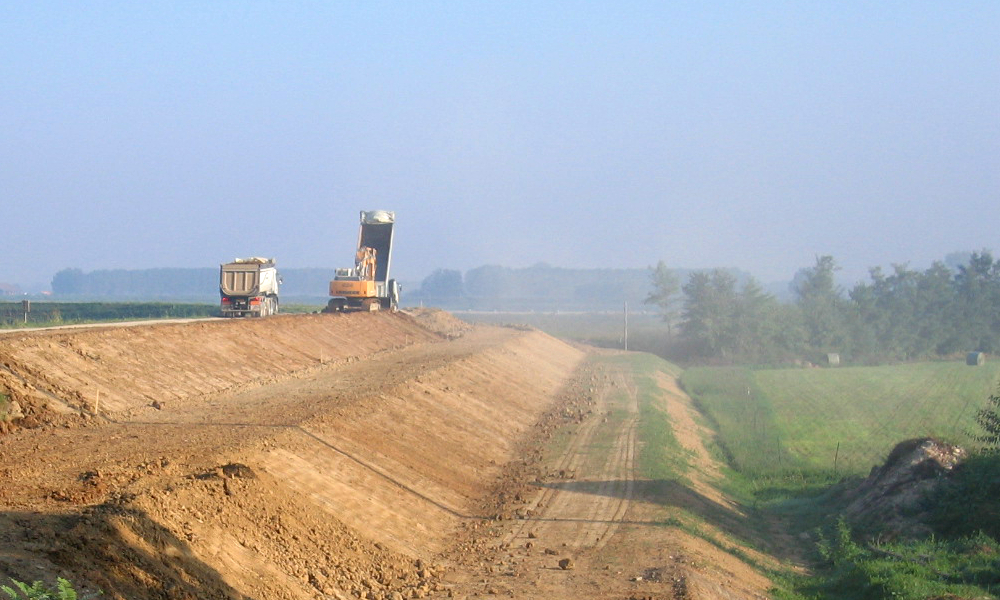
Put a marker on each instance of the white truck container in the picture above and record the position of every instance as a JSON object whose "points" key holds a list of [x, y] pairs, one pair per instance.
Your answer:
{"points": [[249, 287]]}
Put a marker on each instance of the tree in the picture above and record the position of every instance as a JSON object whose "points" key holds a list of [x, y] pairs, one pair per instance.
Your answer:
{"points": [[68, 281], [977, 285], [763, 330], [666, 290], [824, 310], [442, 284], [709, 312], [488, 281]]}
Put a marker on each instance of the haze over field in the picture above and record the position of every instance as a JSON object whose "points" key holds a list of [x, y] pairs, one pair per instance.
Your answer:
{"points": [[750, 135]]}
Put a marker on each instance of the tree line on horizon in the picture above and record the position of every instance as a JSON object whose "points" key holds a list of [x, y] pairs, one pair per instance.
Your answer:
{"points": [[174, 283], [903, 314], [540, 287]]}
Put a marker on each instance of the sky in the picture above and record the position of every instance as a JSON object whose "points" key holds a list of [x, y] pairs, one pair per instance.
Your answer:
{"points": [[747, 134]]}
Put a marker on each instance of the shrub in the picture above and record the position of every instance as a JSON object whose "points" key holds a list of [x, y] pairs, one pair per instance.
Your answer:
{"points": [[989, 419], [39, 591]]}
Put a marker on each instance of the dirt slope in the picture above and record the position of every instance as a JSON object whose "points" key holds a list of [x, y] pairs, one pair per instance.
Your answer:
{"points": [[116, 369], [339, 456], [346, 451]]}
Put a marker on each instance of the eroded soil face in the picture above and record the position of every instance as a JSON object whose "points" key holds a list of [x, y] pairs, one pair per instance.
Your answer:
{"points": [[336, 456]]}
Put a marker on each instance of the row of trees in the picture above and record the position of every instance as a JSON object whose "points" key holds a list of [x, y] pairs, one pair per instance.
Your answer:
{"points": [[903, 314], [175, 283], [539, 287]]}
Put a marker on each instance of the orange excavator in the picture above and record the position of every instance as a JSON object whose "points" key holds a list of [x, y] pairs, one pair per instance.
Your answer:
{"points": [[367, 286]]}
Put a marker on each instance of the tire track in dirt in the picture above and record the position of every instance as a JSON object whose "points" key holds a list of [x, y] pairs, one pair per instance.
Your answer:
{"points": [[617, 475], [597, 531], [586, 507]]}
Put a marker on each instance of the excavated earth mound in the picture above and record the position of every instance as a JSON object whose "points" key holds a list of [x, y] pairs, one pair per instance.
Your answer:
{"points": [[893, 496], [307, 456]]}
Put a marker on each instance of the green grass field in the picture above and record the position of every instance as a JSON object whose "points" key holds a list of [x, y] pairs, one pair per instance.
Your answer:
{"points": [[832, 422], [790, 434]]}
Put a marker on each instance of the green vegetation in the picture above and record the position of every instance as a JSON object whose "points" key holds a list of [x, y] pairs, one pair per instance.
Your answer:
{"points": [[903, 315], [663, 458], [45, 314], [957, 568], [823, 423], [64, 313], [780, 430], [39, 591], [971, 503]]}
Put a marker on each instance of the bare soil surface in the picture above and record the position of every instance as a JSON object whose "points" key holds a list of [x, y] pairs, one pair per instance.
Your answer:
{"points": [[342, 456]]}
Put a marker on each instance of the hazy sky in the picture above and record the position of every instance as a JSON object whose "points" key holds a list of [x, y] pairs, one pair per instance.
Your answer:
{"points": [[582, 134]]}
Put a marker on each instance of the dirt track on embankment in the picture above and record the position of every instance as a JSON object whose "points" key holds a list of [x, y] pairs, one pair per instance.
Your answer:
{"points": [[324, 456]]}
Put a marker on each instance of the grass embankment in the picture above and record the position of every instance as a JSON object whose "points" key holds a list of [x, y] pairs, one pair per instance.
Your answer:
{"points": [[661, 456], [668, 469], [789, 434]]}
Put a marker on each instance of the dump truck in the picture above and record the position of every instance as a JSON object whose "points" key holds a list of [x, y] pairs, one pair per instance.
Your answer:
{"points": [[249, 287], [367, 286]]}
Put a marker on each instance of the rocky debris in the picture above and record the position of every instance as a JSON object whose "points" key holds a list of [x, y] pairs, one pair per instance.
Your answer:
{"points": [[238, 471], [566, 564], [14, 410], [892, 495]]}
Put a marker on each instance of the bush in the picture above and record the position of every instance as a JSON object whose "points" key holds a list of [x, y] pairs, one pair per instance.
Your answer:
{"points": [[967, 567], [39, 591], [989, 419]]}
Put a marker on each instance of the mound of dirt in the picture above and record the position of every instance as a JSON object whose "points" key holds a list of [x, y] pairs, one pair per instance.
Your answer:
{"points": [[439, 321], [892, 496]]}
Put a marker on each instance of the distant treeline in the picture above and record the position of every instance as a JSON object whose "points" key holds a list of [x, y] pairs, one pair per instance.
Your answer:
{"points": [[901, 315], [538, 288], [175, 283]]}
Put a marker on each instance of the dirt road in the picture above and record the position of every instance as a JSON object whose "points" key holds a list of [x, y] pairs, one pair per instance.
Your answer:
{"points": [[334, 456]]}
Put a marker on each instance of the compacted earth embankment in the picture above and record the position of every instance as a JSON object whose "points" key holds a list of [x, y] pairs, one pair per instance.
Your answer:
{"points": [[312, 456], [376, 456]]}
